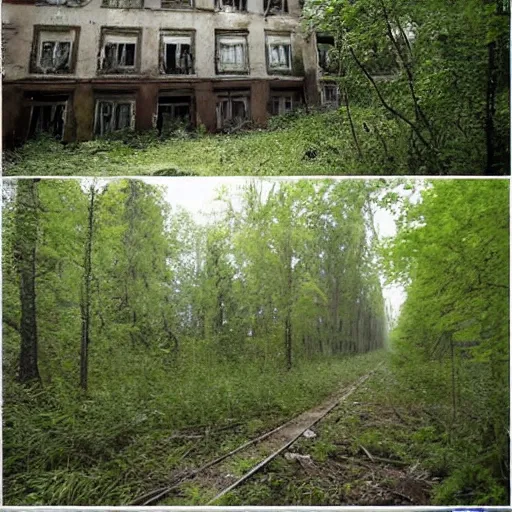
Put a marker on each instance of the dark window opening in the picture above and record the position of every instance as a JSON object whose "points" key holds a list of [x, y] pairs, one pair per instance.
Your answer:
{"points": [[325, 60], [174, 113], [178, 59], [48, 117], [119, 55], [55, 56], [232, 111], [326, 57], [112, 116], [176, 4], [275, 7], [330, 95], [280, 104]]}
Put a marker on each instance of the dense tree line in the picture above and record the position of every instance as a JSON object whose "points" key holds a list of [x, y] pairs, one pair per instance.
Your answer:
{"points": [[95, 269], [451, 343], [125, 318]]}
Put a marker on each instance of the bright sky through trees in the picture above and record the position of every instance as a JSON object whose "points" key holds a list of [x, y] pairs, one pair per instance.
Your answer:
{"points": [[199, 198]]}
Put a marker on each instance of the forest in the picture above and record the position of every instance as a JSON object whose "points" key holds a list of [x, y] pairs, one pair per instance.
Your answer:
{"points": [[151, 353], [423, 90]]}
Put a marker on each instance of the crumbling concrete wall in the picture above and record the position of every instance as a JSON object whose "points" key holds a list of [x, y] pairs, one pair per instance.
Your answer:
{"points": [[91, 17], [85, 82]]}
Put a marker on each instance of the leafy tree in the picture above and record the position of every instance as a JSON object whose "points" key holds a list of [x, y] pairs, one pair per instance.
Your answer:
{"points": [[438, 69]]}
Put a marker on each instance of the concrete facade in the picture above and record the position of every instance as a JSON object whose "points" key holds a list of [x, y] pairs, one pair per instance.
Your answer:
{"points": [[91, 96]]}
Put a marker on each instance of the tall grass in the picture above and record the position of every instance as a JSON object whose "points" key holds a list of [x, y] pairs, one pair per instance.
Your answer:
{"points": [[106, 447]]}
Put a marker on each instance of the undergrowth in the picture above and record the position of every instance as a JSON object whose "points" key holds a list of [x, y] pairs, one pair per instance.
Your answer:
{"points": [[393, 442], [146, 419], [293, 144]]}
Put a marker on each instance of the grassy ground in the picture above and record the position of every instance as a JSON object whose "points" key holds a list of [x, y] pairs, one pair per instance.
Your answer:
{"points": [[298, 144], [381, 447], [137, 433]]}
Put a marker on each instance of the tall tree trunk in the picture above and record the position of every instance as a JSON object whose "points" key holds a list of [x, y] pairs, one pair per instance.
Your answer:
{"points": [[288, 317], [86, 295], [288, 339], [25, 255]]}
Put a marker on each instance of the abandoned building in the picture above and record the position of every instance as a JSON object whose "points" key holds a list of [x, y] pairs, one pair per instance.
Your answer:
{"points": [[84, 68]]}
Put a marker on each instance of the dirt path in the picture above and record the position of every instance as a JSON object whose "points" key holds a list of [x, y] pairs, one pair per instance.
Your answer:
{"points": [[222, 475]]}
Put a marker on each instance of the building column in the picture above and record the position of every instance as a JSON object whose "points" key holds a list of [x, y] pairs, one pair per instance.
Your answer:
{"points": [[206, 106], [260, 97], [14, 125], [146, 107], [83, 111]]}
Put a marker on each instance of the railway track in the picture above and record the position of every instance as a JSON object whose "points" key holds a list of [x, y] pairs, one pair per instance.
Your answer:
{"points": [[262, 450]]}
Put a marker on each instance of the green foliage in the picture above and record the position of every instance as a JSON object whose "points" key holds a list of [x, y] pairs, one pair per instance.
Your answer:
{"points": [[470, 484], [281, 150], [322, 450], [439, 69], [188, 326], [451, 343]]}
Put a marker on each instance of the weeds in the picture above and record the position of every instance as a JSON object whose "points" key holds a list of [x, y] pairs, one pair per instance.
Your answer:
{"points": [[63, 448], [298, 143]]}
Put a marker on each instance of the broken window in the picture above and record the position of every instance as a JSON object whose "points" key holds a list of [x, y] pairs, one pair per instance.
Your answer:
{"points": [[325, 45], [279, 53], [232, 54], [232, 110], [280, 105], [123, 4], [330, 95], [48, 115], [176, 55], [54, 51], [173, 113], [113, 115], [176, 4], [275, 7], [119, 53], [323, 56], [232, 5]]}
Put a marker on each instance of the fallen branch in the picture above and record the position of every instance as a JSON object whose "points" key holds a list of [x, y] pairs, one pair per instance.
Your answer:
{"points": [[396, 493], [368, 454], [391, 461]]}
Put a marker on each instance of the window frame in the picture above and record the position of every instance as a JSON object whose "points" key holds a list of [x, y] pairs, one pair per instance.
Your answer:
{"points": [[230, 97], [49, 100], [268, 11], [116, 100], [282, 98], [165, 100], [278, 39], [125, 35], [71, 35], [169, 34], [324, 101], [220, 68], [325, 44]]}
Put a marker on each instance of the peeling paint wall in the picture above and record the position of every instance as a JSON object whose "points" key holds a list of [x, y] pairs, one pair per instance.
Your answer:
{"points": [[21, 20], [203, 19]]}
